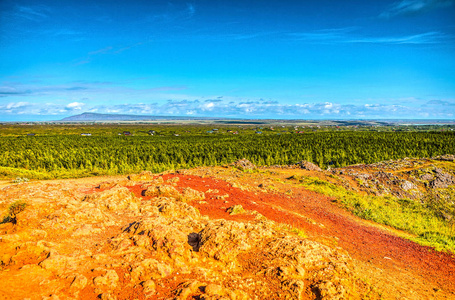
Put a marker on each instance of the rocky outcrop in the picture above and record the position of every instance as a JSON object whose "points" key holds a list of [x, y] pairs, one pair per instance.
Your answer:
{"points": [[115, 245], [306, 165], [114, 199], [162, 190], [441, 179], [405, 178], [445, 157], [243, 164]]}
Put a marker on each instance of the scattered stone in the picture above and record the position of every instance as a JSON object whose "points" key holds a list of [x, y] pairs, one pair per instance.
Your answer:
{"points": [[243, 164]]}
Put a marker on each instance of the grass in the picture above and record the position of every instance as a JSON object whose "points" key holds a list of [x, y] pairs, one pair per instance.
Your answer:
{"points": [[8, 173], [297, 231], [423, 221]]}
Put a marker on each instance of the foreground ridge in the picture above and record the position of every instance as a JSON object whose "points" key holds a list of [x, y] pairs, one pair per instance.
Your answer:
{"points": [[211, 233]]}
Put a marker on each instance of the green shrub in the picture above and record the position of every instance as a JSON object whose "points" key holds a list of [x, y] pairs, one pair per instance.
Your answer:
{"points": [[13, 210], [235, 210], [20, 179]]}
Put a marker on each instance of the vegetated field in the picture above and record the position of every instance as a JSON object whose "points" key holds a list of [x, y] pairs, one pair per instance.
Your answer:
{"points": [[60, 152]]}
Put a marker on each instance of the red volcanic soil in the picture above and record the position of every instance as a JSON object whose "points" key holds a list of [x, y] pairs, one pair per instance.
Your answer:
{"points": [[321, 219]]}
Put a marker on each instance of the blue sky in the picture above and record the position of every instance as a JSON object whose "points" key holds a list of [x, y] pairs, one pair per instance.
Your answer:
{"points": [[242, 59]]}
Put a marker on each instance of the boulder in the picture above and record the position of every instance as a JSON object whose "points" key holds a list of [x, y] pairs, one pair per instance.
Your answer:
{"points": [[190, 194], [110, 278], [162, 235], [442, 180], [224, 240], [309, 166], [149, 287], [407, 185], [176, 209]]}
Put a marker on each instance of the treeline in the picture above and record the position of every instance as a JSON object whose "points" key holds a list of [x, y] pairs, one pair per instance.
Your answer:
{"points": [[80, 156]]}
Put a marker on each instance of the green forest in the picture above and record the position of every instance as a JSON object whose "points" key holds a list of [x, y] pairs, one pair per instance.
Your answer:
{"points": [[71, 155]]}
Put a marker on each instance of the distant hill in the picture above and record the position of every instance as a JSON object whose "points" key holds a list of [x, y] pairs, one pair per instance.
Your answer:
{"points": [[90, 117]]}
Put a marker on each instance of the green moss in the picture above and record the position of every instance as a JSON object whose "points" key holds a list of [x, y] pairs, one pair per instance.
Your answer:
{"points": [[236, 209], [423, 221], [298, 231]]}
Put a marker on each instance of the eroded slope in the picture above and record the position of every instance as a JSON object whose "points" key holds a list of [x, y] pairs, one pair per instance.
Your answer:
{"points": [[212, 233]]}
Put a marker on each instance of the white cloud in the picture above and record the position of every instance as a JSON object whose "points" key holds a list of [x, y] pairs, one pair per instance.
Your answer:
{"points": [[75, 106], [208, 106], [423, 38], [16, 105], [67, 100], [32, 13], [348, 35], [405, 7]]}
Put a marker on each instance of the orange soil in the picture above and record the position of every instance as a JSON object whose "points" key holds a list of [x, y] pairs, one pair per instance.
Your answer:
{"points": [[375, 249], [364, 243]]}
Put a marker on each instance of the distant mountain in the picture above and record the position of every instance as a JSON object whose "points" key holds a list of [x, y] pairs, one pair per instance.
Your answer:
{"points": [[90, 117]]}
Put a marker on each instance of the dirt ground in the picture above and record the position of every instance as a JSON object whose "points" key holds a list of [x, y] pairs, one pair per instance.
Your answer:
{"points": [[393, 267]]}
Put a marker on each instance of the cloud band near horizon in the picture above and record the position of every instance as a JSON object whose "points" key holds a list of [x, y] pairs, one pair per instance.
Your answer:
{"points": [[434, 109]]}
